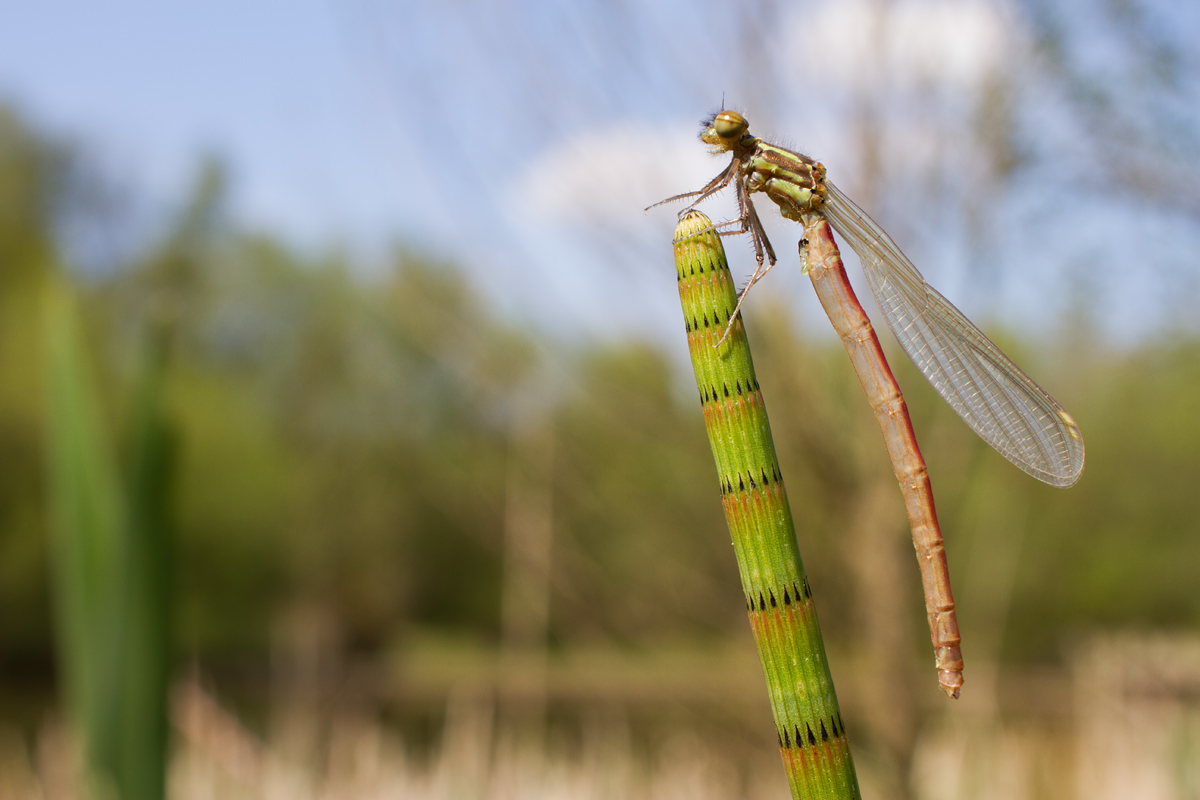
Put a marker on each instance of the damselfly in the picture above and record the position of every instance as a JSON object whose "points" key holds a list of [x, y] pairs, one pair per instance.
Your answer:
{"points": [[992, 395]]}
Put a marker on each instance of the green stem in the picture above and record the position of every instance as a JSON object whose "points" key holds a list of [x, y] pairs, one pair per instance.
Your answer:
{"points": [[89, 530], [146, 594], [811, 733], [111, 561]]}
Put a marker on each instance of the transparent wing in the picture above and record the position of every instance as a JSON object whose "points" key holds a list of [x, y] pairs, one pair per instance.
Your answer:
{"points": [[991, 393]]}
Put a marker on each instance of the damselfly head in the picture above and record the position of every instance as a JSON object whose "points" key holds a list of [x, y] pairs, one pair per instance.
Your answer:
{"points": [[724, 130]]}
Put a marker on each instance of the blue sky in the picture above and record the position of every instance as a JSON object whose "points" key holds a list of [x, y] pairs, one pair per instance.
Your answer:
{"points": [[523, 139], [271, 86]]}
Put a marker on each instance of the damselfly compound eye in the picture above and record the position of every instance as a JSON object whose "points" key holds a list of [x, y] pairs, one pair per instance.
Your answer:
{"points": [[730, 125]]}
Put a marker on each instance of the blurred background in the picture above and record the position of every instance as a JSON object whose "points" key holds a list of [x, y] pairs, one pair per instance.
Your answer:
{"points": [[344, 397]]}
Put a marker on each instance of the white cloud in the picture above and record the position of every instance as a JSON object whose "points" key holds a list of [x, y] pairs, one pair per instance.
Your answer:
{"points": [[941, 42], [608, 176]]}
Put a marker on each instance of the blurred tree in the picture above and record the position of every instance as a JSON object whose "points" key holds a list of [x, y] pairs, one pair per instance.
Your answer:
{"points": [[34, 174], [645, 554]]}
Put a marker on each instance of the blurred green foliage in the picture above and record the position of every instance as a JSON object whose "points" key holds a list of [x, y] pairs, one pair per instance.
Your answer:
{"points": [[111, 560], [345, 435]]}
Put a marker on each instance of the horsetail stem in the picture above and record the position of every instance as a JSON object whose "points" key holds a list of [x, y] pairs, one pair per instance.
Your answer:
{"points": [[812, 736]]}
